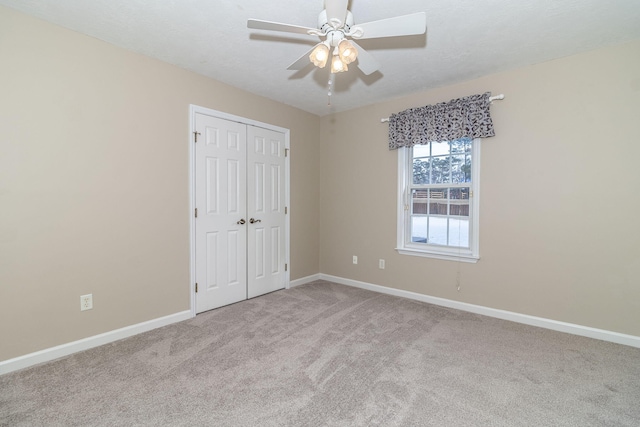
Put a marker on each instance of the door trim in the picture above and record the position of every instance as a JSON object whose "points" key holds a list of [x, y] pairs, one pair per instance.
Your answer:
{"points": [[193, 110]]}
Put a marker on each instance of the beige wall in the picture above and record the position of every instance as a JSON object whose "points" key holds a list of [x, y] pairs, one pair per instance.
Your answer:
{"points": [[559, 195], [94, 185]]}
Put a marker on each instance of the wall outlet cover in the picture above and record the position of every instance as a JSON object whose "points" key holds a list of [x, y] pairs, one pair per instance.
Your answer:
{"points": [[86, 302]]}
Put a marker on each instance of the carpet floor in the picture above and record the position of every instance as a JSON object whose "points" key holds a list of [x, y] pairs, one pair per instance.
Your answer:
{"points": [[324, 354]]}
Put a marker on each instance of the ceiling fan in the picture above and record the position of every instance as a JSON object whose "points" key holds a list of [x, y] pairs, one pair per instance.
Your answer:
{"points": [[337, 31]]}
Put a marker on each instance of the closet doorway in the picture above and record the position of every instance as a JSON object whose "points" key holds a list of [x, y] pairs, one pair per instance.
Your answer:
{"points": [[240, 236]]}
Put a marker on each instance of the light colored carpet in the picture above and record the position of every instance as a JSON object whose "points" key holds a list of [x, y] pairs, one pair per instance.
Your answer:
{"points": [[324, 354]]}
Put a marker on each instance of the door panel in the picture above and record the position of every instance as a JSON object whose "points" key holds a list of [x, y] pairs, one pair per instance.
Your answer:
{"points": [[266, 167], [220, 188]]}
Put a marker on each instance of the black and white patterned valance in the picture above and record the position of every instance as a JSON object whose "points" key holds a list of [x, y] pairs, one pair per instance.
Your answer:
{"points": [[446, 121]]}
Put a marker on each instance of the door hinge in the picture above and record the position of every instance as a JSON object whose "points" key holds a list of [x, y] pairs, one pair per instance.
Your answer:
{"points": [[286, 266], [196, 212], [286, 152], [195, 134], [286, 210], [196, 288]]}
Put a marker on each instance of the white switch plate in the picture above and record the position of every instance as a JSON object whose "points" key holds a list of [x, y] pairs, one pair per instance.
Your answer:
{"points": [[355, 259], [381, 264]]}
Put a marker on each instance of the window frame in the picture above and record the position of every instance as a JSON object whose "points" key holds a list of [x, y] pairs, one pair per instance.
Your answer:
{"points": [[404, 244]]}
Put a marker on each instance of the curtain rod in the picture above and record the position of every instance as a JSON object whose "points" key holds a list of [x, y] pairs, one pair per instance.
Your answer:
{"points": [[491, 98]]}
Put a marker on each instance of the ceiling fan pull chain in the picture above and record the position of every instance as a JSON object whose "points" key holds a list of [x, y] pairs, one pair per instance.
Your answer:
{"points": [[332, 78]]}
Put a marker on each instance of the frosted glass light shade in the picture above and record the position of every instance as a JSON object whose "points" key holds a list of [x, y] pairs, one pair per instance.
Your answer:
{"points": [[337, 65], [319, 55], [348, 52]]}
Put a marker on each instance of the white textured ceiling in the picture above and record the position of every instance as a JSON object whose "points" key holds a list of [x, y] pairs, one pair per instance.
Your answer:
{"points": [[465, 39]]}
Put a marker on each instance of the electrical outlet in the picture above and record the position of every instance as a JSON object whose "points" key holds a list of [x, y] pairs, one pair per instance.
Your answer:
{"points": [[381, 264], [355, 259], [86, 302]]}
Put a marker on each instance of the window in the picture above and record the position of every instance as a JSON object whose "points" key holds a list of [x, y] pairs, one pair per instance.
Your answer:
{"points": [[438, 199]]}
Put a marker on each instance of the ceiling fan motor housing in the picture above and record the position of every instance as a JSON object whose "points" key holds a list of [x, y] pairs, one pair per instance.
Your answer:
{"points": [[325, 26]]}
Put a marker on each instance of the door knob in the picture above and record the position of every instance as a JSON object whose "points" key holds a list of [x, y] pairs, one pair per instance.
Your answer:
{"points": [[242, 221], [253, 221]]}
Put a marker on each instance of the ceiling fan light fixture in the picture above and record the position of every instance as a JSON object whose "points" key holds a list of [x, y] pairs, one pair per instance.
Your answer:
{"points": [[348, 52], [336, 25], [320, 55]]}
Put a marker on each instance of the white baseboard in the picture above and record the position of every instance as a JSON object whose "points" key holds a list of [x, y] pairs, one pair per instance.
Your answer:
{"points": [[541, 322], [304, 280], [56, 352]]}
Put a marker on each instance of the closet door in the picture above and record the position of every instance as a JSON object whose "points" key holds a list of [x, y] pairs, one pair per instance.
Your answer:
{"points": [[265, 211], [221, 224], [240, 239]]}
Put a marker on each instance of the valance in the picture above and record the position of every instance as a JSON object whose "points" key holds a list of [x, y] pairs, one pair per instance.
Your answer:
{"points": [[446, 121]]}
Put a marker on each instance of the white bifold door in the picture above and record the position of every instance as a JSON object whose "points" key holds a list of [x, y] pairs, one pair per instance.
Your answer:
{"points": [[240, 243]]}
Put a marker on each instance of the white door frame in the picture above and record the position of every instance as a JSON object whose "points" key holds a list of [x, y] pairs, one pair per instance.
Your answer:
{"points": [[193, 110]]}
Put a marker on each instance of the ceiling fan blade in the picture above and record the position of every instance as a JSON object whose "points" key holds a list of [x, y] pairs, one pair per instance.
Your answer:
{"points": [[303, 61], [336, 9], [405, 25], [259, 24], [367, 63]]}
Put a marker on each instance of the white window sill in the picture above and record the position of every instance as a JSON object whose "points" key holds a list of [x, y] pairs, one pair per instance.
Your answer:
{"points": [[460, 257]]}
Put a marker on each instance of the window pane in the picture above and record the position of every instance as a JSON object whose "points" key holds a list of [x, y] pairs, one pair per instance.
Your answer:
{"points": [[459, 232], [421, 150], [439, 148], [421, 171], [440, 170], [437, 231], [467, 168], [419, 229], [419, 201], [459, 201], [462, 145], [438, 201], [458, 169]]}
